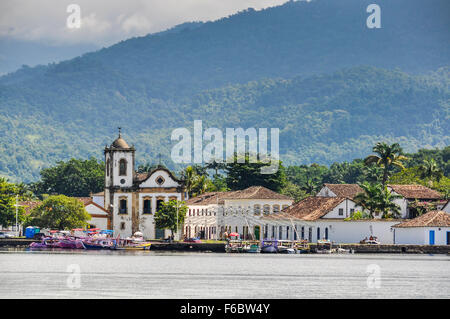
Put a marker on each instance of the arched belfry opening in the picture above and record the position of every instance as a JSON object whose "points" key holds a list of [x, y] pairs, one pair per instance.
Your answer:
{"points": [[123, 167]]}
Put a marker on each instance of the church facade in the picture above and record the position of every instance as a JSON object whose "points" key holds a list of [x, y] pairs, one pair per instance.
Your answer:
{"points": [[131, 198]]}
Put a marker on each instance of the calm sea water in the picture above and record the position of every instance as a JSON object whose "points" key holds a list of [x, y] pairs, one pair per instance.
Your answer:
{"points": [[147, 274]]}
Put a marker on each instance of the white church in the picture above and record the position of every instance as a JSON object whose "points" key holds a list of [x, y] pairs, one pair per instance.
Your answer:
{"points": [[131, 198]]}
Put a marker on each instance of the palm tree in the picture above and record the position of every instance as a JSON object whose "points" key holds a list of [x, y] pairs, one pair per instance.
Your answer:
{"points": [[311, 185], [201, 185], [430, 170], [387, 205], [189, 177], [377, 199], [368, 198], [388, 157]]}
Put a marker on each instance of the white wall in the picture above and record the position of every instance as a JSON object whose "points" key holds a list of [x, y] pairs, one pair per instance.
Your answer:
{"points": [[151, 181], [122, 218], [346, 206], [326, 192], [446, 208], [420, 235], [128, 156], [99, 222], [235, 213], [147, 221], [339, 231]]}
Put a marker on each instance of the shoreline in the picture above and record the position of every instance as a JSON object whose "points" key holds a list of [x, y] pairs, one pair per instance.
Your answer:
{"points": [[220, 247]]}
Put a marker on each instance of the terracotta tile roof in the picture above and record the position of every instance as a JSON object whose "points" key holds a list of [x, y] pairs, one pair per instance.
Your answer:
{"points": [[84, 200], [29, 206], [205, 199], [313, 208], [88, 201], [255, 192], [140, 177], [99, 194], [415, 191], [345, 190], [436, 218]]}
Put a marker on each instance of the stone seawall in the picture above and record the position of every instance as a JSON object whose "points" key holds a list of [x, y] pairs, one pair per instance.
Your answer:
{"points": [[205, 247], [16, 242], [397, 249], [220, 247]]}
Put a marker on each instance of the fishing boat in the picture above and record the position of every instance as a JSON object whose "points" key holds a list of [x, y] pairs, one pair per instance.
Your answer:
{"points": [[286, 247], [324, 246], [233, 246], [340, 250], [98, 243], [70, 243], [129, 244], [38, 245], [269, 246], [302, 247], [251, 247]]}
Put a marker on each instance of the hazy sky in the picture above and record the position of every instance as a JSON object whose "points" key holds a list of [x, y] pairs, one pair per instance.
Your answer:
{"points": [[105, 22]]}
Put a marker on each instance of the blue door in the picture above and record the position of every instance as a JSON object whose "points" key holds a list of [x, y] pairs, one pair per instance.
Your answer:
{"points": [[431, 237]]}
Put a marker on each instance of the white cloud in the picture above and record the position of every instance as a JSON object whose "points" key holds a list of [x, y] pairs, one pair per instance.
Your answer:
{"points": [[105, 22]]}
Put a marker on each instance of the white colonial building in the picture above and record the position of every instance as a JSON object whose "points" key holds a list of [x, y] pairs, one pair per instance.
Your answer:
{"points": [[432, 228], [132, 199], [326, 216], [319, 217], [210, 215], [99, 215]]}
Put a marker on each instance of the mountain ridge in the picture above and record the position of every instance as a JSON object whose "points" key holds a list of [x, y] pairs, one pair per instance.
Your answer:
{"points": [[313, 69]]}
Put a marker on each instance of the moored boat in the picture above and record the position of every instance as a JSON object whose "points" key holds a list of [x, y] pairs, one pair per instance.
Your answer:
{"points": [[269, 247]]}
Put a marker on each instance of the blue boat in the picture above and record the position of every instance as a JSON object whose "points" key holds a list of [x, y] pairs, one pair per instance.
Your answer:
{"points": [[269, 246]]}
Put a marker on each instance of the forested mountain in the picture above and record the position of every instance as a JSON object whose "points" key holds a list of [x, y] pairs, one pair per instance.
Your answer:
{"points": [[313, 69]]}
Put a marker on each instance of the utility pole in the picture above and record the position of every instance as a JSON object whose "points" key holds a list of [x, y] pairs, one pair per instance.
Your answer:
{"points": [[17, 214]]}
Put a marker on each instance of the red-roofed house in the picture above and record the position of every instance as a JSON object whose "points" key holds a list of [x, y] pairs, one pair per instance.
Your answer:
{"points": [[432, 228]]}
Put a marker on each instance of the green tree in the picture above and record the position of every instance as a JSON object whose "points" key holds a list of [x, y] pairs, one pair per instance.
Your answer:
{"points": [[146, 168], [216, 166], [246, 174], [189, 177], [60, 212], [389, 156], [430, 170], [9, 193], [413, 175], [169, 213], [196, 180], [376, 198], [75, 178], [294, 191]]}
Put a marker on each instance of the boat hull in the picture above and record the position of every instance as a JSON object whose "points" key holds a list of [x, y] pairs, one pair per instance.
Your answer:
{"points": [[268, 250]]}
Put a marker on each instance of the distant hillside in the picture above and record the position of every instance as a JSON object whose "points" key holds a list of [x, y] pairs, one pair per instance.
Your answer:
{"points": [[322, 119], [333, 86], [297, 38]]}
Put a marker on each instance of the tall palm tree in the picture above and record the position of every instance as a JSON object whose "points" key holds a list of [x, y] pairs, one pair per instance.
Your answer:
{"points": [[189, 177], [430, 170], [201, 185], [388, 156]]}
